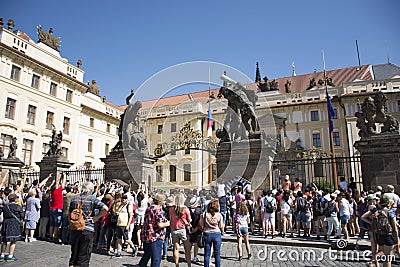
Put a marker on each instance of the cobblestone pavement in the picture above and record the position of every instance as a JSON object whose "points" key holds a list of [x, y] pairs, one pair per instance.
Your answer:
{"points": [[48, 254]]}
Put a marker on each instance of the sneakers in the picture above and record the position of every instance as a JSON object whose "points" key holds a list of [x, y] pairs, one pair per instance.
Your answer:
{"points": [[13, 258], [118, 255], [134, 251], [195, 259], [240, 258], [2, 259], [250, 256], [32, 240]]}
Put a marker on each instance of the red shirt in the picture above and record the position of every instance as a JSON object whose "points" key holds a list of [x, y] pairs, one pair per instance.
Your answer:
{"points": [[57, 202]]}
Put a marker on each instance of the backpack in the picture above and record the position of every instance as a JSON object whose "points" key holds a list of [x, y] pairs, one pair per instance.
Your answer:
{"points": [[380, 223], [301, 204], [329, 209], [268, 206], [319, 207], [76, 220]]}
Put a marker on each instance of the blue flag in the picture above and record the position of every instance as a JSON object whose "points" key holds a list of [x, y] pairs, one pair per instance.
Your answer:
{"points": [[331, 111]]}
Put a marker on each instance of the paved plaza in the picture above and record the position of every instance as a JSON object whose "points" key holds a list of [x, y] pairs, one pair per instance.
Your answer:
{"points": [[48, 254]]}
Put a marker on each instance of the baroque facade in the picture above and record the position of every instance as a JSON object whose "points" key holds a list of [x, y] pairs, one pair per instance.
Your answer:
{"points": [[39, 91]]}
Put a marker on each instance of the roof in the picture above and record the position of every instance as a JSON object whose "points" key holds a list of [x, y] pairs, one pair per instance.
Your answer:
{"points": [[299, 84], [120, 108], [385, 71]]}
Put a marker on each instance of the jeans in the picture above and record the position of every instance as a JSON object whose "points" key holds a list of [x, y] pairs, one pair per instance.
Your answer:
{"points": [[81, 248], [333, 222], [152, 251], [65, 230], [102, 234], [165, 245], [212, 239]]}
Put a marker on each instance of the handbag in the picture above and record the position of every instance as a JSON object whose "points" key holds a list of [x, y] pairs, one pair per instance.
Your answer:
{"points": [[201, 238]]}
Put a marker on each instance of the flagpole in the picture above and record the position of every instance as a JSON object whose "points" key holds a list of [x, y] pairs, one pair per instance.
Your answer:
{"points": [[331, 143], [209, 110]]}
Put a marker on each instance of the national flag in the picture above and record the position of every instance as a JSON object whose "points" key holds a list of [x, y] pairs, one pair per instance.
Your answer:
{"points": [[331, 111], [209, 123]]}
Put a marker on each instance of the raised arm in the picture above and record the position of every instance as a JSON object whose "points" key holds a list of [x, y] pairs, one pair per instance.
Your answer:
{"points": [[42, 183]]}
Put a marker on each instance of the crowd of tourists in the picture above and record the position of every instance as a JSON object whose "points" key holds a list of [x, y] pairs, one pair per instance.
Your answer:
{"points": [[110, 218]]}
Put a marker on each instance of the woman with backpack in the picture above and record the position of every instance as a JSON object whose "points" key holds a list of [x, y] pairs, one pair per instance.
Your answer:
{"points": [[286, 213], [268, 209], [242, 221], [384, 228], [124, 212], [331, 210]]}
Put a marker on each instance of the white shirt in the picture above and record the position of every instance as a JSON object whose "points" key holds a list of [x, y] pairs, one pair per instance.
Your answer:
{"points": [[220, 190], [272, 200], [345, 208], [286, 206], [395, 198]]}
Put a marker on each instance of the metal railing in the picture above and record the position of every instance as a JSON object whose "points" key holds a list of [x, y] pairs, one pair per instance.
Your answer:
{"points": [[81, 176]]}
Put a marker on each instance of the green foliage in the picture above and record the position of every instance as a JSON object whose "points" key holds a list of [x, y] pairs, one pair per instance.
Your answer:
{"points": [[323, 184]]}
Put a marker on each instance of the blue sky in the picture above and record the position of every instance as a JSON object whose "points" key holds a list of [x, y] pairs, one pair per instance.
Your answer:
{"points": [[124, 43]]}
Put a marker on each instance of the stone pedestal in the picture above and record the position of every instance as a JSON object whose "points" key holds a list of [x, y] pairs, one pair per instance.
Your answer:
{"points": [[12, 164], [53, 164], [131, 166], [250, 159], [380, 160]]}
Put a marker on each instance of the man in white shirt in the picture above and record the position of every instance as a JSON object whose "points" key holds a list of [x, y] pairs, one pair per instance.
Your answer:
{"points": [[393, 196]]}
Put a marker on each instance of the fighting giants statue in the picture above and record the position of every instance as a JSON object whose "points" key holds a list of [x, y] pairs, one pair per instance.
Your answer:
{"points": [[240, 122], [372, 112], [12, 154], [55, 144], [130, 134]]}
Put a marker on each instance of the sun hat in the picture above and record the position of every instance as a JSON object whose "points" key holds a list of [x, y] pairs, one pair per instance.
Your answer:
{"points": [[170, 201], [159, 197]]}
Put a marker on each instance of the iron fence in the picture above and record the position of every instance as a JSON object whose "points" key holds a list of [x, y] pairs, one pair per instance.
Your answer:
{"points": [[318, 170], [80, 176], [30, 176]]}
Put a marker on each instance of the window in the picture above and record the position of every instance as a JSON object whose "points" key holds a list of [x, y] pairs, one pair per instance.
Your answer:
{"points": [[108, 127], [10, 108], [173, 127], [314, 115], [53, 89], [27, 151], [316, 138], [90, 145], [187, 151], [336, 114], [64, 151], [66, 124], [159, 129], [159, 173], [68, 97], [35, 81], [49, 120], [186, 172], [91, 122], [336, 138], [5, 142], [15, 73], [172, 173], [107, 149], [30, 117], [45, 148]]}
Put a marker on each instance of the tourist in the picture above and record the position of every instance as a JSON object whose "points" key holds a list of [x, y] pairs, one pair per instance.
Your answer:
{"points": [[343, 184], [195, 213], [232, 206], [124, 211], [44, 215], [269, 208], [318, 205], [211, 223], [300, 209], [242, 220], [141, 204], [344, 209], [153, 232], [56, 208], [180, 222], [286, 183], [104, 222], [32, 215], [11, 227], [278, 196], [65, 219], [170, 202], [352, 184], [393, 196], [250, 207], [332, 209], [286, 213], [353, 223], [257, 214], [223, 206], [298, 186], [82, 241]]}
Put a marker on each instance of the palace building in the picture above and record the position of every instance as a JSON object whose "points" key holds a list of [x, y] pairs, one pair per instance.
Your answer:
{"points": [[40, 90]]}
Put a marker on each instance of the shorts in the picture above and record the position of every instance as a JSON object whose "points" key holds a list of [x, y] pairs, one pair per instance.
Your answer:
{"points": [[55, 218], [178, 234], [344, 219], [304, 218], [286, 217], [31, 225], [269, 217], [244, 231], [193, 237], [385, 240], [139, 220], [121, 232]]}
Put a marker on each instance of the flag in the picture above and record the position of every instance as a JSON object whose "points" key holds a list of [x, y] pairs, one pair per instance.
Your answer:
{"points": [[331, 111], [209, 123]]}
